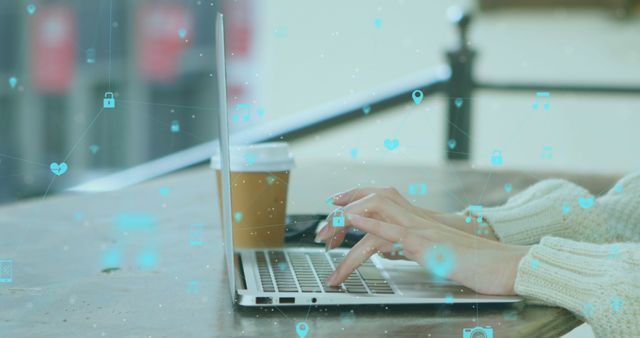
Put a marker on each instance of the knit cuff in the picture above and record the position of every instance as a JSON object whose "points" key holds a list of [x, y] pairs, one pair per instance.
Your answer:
{"points": [[527, 217], [598, 282], [563, 273]]}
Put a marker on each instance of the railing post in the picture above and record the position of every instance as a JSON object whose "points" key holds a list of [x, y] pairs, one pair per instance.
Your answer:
{"points": [[460, 90]]}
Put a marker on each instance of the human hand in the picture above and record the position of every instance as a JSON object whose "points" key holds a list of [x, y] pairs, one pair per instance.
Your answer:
{"points": [[385, 204], [483, 265]]}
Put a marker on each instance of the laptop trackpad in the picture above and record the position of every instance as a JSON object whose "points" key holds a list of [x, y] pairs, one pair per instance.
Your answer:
{"points": [[412, 279]]}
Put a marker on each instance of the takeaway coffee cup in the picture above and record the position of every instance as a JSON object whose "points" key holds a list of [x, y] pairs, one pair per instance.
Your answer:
{"points": [[259, 184]]}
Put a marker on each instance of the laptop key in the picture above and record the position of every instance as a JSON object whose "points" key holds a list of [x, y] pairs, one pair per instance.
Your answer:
{"points": [[333, 289], [369, 273]]}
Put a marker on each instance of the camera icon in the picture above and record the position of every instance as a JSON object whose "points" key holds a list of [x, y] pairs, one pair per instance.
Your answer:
{"points": [[478, 332]]}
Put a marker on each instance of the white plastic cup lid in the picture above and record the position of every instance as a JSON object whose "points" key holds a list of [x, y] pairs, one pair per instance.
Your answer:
{"points": [[260, 157]]}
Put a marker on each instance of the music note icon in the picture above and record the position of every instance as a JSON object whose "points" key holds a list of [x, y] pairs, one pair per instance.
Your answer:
{"points": [[243, 110], [539, 96]]}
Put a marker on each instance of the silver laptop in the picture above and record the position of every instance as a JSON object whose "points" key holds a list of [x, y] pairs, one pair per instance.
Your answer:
{"points": [[296, 276]]}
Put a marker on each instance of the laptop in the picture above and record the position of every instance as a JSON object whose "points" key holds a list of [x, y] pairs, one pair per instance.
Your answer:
{"points": [[296, 276]]}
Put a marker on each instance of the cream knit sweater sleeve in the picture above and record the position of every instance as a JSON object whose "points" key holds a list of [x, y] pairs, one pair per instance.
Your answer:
{"points": [[598, 280], [561, 208]]}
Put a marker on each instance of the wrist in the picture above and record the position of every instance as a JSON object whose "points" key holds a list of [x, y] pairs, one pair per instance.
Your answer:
{"points": [[516, 254]]}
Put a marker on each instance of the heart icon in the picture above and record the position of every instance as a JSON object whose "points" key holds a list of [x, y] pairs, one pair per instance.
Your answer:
{"points": [[585, 203], [391, 144], [366, 109], [94, 148], [58, 169], [452, 143]]}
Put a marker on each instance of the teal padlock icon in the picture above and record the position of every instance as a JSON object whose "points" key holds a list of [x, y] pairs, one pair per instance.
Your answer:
{"points": [[109, 100], [338, 218]]}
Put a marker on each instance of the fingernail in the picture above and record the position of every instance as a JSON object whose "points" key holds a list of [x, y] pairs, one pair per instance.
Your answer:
{"points": [[322, 234], [329, 200]]}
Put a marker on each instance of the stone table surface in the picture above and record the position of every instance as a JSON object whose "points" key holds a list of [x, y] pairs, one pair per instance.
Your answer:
{"points": [[60, 288]]}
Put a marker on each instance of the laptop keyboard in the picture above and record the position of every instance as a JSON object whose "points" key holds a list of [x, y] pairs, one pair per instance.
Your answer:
{"points": [[282, 271]]}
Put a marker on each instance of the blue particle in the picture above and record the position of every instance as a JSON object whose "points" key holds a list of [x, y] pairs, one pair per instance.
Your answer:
{"points": [[79, 216], [193, 287], [448, 298], [164, 191], [508, 188], [175, 126], [535, 264], [588, 310], [111, 258], [354, 153], [347, 317], [617, 187], [237, 216], [147, 259]]}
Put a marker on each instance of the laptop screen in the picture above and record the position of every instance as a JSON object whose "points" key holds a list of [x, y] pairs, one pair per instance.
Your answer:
{"points": [[254, 178], [223, 159]]}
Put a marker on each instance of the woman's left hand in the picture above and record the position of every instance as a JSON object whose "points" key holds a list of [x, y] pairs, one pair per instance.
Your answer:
{"points": [[483, 265]]}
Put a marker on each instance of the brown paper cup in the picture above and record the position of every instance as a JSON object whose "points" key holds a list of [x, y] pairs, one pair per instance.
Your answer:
{"points": [[258, 197]]}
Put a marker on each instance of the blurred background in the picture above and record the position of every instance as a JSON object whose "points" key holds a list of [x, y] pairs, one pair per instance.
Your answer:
{"points": [[286, 60]]}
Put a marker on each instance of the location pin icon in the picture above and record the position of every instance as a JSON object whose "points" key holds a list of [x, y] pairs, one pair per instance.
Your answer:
{"points": [[302, 329], [13, 81], [452, 143], [31, 8], [458, 101], [417, 96]]}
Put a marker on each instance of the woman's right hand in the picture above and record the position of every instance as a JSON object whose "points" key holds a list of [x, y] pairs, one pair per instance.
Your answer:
{"points": [[384, 204], [387, 205]]}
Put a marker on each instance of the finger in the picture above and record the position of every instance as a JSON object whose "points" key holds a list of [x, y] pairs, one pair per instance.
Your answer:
{"points": [[360, 252], [333, 235], [350, 196], [376, 206], [388, 255], [387, 231]]}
